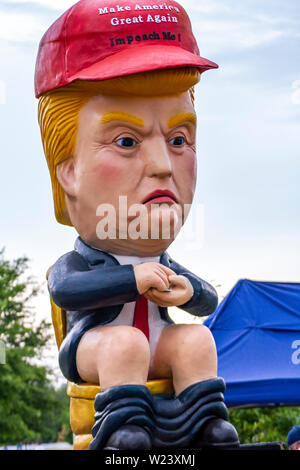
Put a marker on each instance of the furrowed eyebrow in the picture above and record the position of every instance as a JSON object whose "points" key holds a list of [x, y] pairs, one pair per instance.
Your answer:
{"points": [[121, 116], [182, 118]]}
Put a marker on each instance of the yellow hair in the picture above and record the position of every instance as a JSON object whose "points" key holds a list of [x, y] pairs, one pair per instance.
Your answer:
{"points": [[59, 110]]}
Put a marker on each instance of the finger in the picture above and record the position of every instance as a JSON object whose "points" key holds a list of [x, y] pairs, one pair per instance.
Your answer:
{"points": [[177, 280], [167, 270], [159, 296], [164, 278], [162, 274], [160, 283], [149, 295], [163, 299]]}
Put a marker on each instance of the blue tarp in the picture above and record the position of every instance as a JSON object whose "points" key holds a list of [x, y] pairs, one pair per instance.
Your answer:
{"points": [[257, 333]]}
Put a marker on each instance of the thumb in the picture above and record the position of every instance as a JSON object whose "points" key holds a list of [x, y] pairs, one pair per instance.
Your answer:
{"points": [[177, 280]]}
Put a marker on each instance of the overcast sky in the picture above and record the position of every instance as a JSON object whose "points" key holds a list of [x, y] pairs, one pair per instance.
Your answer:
{"points": [[248, 143]]}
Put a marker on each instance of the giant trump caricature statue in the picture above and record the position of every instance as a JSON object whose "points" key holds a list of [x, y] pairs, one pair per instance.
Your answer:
{"points": [[115, 86]]}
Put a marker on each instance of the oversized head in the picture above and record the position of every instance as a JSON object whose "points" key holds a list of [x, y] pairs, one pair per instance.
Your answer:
{"points": [[115, 82]]}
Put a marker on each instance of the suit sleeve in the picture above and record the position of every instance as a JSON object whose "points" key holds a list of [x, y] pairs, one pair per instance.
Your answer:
{"points": [[205, 298], [73, 286]]}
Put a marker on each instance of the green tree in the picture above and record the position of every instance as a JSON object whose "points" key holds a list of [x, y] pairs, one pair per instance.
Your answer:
{"points": [[56, 418], [266, 424], [30, 407]]}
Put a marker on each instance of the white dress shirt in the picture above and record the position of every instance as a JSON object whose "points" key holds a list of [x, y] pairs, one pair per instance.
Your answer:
{"points": [[125, 317]]}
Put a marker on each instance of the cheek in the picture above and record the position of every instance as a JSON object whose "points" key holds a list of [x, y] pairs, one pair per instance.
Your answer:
{"points": [[108, 172], [99, 181], [192, 168], [118, 173], [113, 177], [186, 169]]}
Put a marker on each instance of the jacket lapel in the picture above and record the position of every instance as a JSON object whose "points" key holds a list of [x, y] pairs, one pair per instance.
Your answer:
{"points": [[165, 259], [94, 257]]}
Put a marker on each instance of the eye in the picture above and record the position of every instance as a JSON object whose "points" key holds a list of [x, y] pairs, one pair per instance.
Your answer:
{"points": [[178, 141], [126, 142]]}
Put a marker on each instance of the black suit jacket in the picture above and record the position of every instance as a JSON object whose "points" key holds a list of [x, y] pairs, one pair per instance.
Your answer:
{"points": [[92, 287]]}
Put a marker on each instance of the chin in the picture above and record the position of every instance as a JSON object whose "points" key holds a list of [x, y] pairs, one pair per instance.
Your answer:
{"points": [[152, 247], [164, 222], [142, 248], [148, 235]]}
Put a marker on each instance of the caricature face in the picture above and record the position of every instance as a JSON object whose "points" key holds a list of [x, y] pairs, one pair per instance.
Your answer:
{"points": [[142, 149]]}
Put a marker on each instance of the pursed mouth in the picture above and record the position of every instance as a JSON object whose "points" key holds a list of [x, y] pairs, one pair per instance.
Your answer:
{"points": [[160, 196]]}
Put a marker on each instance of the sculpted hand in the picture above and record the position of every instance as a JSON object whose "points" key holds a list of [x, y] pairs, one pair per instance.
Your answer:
{"points": [[152, 275], [181, 292]]}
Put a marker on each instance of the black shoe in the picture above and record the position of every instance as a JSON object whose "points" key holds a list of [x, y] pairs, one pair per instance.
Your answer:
{"points": [[129, 437], [124, 418], [218, 434], [180, 422]]}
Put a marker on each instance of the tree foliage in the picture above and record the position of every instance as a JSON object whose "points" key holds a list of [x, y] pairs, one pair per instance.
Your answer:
{"points": [[30, 407], [266, 424]]}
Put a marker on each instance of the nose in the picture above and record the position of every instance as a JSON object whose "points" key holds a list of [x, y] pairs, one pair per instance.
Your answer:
{"points": [[157, 159]]}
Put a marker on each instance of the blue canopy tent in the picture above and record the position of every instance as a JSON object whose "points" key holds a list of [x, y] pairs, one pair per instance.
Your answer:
{"points": [[257, 333]]}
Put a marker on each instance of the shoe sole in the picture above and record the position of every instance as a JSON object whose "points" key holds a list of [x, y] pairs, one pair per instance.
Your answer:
{"points": [[221, 445]]}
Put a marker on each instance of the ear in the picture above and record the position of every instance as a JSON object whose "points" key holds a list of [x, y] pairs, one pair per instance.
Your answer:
{"points": [[65, 173]]}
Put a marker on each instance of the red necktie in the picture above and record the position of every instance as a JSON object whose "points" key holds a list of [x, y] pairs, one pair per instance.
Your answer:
{"points": [[140, 319]]}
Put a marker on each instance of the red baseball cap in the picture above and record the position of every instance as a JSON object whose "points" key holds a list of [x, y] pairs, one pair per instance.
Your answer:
{"points": [[104, 39]]}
